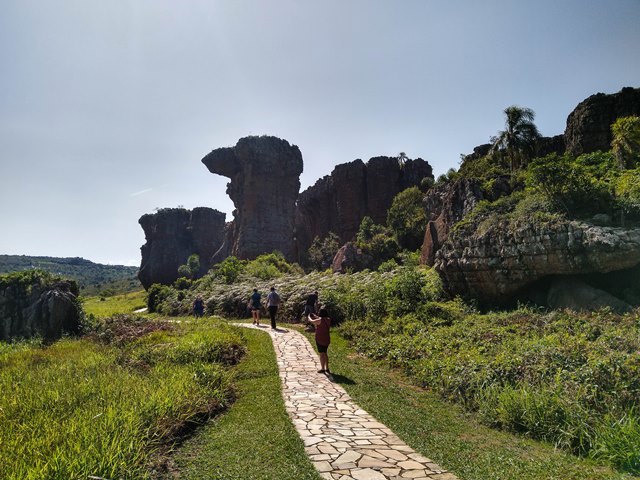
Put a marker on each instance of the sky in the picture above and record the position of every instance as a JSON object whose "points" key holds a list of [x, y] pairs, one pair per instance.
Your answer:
{"points": [[107, 107]]}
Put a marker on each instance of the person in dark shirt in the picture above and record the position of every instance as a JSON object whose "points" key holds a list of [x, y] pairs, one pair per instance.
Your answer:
{"points": [[198, 307], [322, 323], [311, 303], [255, 302]]}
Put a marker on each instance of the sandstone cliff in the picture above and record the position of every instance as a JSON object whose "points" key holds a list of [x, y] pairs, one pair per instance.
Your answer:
{"points": [[492, 266], [589, 125], [338, 202], [37, 304], [172, 235], [264, 186], [446, 205]]}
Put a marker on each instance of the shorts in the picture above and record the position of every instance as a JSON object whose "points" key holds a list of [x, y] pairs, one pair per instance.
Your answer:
{"points": [[309, 309], [322, 348]]}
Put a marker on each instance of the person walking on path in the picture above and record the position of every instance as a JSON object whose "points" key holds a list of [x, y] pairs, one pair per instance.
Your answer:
{"points": [[311, 304], [198, 307], [323, 338], [273, 302], [255, 302]]}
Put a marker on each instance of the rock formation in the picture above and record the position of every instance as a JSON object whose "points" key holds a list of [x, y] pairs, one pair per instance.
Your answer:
{"points": [[172, 235], [446, 205], [264, 186], [589, 125], [48, 308], [495, 265], [350, 257], [338, 202]]}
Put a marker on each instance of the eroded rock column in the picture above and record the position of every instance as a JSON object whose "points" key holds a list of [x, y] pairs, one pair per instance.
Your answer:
{"points": [[265, 181]]}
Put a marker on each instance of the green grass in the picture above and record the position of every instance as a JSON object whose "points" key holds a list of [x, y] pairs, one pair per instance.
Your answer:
{"points": [[102, 407], [106, 306], [255, 438], [448, 435]]}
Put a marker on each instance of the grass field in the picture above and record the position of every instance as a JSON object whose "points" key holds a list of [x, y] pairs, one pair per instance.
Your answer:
{"points": [[125, 303]]}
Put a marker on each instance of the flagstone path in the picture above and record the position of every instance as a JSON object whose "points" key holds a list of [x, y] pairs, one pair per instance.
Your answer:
{"points": [[343, 441]]}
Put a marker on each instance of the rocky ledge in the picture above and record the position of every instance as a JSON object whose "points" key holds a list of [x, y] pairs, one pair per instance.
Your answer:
{"points": [[494, 266], [44, 308]]}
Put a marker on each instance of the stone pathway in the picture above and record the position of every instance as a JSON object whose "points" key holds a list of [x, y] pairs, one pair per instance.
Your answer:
{"points": [[343, 441]]}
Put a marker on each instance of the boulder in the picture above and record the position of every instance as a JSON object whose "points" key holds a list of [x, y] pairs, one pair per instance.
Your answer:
{"points": [[350, 257], [494, 265], [589, 125], [46, 308], [264, 173], [172, 235], [338, 202]]}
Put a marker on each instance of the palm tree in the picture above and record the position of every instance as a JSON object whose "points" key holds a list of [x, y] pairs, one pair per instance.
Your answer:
{"points": [[626, 141], [402, 158], [517, 141]]}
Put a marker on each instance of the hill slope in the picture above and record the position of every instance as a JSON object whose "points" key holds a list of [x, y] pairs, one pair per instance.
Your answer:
{"points": [[93, 278]]}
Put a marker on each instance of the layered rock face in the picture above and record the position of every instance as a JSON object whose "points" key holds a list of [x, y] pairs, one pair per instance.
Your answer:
{"points": [[445, 207], [497, 264], [338, 202], [47, 310], [172, 235], [589, 125], [264, 186]]}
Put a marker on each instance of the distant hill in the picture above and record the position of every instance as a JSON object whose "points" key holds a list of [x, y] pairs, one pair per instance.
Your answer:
{"points": [[93, 278]]}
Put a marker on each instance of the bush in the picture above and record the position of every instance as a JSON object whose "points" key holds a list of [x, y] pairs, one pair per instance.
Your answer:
{"points": [[229, 269], [157, 294], [322, 251], [570, 379]]}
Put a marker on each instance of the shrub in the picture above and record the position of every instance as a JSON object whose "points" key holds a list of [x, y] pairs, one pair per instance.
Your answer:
{"points": [[321, 252], [157, 294], [229, 269], [405, 291]]}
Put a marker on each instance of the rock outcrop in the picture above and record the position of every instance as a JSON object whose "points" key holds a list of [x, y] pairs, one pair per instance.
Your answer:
{"points": [[350, 257], [589, 125], [446, 205], [172, 235], [497, 264], [264, 186], [44, 308], [338, 202]]}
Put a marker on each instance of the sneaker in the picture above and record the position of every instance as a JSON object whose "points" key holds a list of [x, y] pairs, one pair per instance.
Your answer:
{"points": [[320, 371]]}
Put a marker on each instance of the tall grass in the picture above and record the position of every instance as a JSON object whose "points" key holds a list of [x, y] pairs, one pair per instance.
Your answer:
{"points": [[81, 407]]}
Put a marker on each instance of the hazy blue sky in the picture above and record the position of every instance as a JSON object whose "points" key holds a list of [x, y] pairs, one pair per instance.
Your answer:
{"points": [[107, 107]]}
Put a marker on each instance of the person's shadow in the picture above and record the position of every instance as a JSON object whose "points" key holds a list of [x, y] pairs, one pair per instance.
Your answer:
{"points": [[340, 379]]}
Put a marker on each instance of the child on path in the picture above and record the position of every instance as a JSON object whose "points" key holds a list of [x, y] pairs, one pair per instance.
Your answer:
{"points": [[323, 338]]}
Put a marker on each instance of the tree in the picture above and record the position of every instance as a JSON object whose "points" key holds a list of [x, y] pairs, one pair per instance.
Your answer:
{"points": [[191, 268], [517, 141], [321, 252], [402, 158], [407, 218], [626, 141]]}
